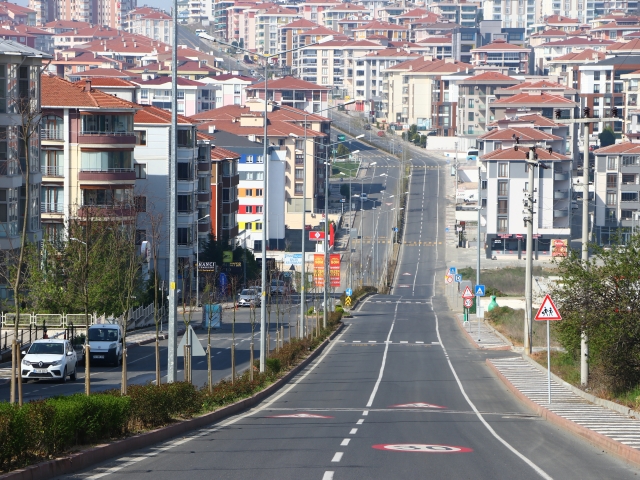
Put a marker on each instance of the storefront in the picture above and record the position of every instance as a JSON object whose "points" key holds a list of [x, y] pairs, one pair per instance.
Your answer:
{"points": [[515, 245]]}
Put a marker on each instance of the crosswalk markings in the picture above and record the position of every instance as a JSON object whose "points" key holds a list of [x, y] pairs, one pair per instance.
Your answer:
{"points": [[433, 167], [566, 404]]}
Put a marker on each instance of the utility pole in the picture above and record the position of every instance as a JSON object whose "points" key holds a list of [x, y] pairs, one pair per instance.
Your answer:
{"points": [[585, 121], [478, 243], [528, 220]]}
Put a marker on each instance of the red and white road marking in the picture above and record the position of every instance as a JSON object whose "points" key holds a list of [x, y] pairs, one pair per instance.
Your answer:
{"points": [[421, 448], [416, 405], [299, 415]]}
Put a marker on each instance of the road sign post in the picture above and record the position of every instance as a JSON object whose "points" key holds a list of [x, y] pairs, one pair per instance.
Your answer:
{"points": [[548, 311]]}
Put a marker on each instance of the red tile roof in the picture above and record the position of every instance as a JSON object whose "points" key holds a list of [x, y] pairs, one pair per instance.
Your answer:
{"points": [[391, 52], [577, 41], [288, 83], [630, 46], [154, 115], [509, 154], [539, 84], [103, 72], [583, 56], [490, 77], [560, 19], [499, 45], [433, 66], [184, 82], [219, 153], [525, 134], [109, 82], [380, 25], [301, 23], [533, 99], [57, 92], [625, 147], [552, 32]]}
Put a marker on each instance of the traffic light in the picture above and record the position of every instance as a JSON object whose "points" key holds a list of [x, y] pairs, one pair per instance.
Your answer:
{"points": [[586, 111], [614, 112], [558, 114]]}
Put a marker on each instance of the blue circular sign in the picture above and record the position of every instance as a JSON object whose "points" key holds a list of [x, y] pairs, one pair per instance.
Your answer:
{"points": [[348, 292]]}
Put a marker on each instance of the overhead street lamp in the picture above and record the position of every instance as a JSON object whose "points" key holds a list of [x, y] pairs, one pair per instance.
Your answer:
{"points": [[303, 272], [198, 261], [265, 142]]}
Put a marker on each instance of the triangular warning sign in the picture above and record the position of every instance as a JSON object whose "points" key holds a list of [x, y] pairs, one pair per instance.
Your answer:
{"points": [[196, 346], [548, 310], [467, 293]]}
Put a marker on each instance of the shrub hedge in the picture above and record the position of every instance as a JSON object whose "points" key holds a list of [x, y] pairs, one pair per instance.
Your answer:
{"points": [[46, 428]]}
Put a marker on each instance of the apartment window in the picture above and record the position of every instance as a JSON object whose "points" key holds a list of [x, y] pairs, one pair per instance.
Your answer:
{"points": [[470, 116], [503, 225], [259, 159], [483, 185], [8, 212], [144, 93], [248, 192], [503, 189], [259, 226], [258, 192], [299, 174], [298, 189], [249, 158], [596, 88], [471, 103], [248, 225], [628, 196], [185, 171], [610, 214], [596, 75], [503, 170], [141, 170], [628, 178], [612, 180], [185, 203], [503, 207], [626, 214], [140, 203], [258, 208], [106, 161], [141, 137], [184, 236], [185, 138], [204, 185], [629, 160], [612, 198], [3, 88], [236, 89], [612, 163]]}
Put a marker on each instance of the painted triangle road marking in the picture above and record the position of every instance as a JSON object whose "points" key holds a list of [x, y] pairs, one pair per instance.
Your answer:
{"points": [[548, 310], [299, 415]]}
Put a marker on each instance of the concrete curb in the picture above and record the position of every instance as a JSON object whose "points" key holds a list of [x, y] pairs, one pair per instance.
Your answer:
{"points": [[475, 343], [625, 452], [587, 396], [92, 456]]}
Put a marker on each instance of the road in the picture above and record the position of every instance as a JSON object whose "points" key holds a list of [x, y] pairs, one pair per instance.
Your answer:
{"points": [[141, 359], [189, 38], [399, 393]]}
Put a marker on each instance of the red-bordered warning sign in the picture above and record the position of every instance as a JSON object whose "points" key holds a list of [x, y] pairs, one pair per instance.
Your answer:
{"points": [[548, 310], [421, 448], [467, 293]]}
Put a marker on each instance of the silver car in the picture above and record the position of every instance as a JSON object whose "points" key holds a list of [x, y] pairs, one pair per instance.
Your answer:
{"points": [[249, 297]]}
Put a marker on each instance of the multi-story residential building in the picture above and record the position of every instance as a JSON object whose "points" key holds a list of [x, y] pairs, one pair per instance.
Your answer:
{"points": [[513, 13], [314, 10], [19, 84], [415, 93], [505, 177], [547, 52], [376, 28], [294, 93], [460, 12], [332, 17], [87, 159], [118, 87], [19, 15], [632, 113], [565, 22], [75, 61], [97, 12], [617, 191], [152, 130], [193, 96], [602, 88], [267, 23], [566, 67], [229, 88], [150, 22], [617, 29], [225, 179], [294, 37], [502, 54], [475, 93], [30, 36]]}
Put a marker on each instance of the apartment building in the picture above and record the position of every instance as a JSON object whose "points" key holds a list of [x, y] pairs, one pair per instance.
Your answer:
{"points": [[19, 15], [87, 160], [617, 191], [503, 55], [300, 33], [152, 129], [314, 10], [377, 28], [225, 179], [193, 96], [566, 68], [229, 88], [150, 22], [504, 179], [266, 38], [460, 12], [292, 92], [97, 12], [632, 113], [513, 13], [19, 82], [332, 17], [546, 53]]}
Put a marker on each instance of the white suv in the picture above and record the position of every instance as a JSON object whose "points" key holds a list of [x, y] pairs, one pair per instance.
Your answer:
{"points": [[49, 359]]}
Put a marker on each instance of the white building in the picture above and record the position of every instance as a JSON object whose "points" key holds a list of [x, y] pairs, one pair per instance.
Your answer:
{"points": [[193, 96], [229, 89]]}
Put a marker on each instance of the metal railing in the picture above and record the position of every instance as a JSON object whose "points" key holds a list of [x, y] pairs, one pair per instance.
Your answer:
{"points": [[51, 208], [51, 134], [52, 171], [115, 134], [107, 170]]}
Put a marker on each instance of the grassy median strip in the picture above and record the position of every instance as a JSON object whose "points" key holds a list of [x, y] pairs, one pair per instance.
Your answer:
{"points": [[44, 429]]}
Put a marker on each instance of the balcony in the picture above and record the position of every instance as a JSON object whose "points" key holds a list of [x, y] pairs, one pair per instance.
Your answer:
{"points": [[204, 166], [107, 212], [204, 228], [559, 213], [204, 197], [109, 175], [52, 171], [560, 194], [51, 134], [106, 138], [560, 176], [51, 208]]}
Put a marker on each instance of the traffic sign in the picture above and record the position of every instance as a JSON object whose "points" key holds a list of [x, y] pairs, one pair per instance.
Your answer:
{"points": [[467, 293], [316, 235], [468, 303], [457, 278], [548, 310], [348, 292], [452, 270], [347, 301], [448, 279], [479, 290]]}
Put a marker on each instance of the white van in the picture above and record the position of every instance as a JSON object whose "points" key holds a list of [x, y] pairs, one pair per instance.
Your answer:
{"points": [[105, 342]]}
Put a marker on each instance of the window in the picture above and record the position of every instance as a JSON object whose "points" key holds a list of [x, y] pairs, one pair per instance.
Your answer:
{"points": [[483, 185], [144, 93], [503, 189], [3, 88], [628, 197], [248, 192], [298, 189], [471, 103], [628, 178], [259, 226], [185, 203], [596, 75], [596, 88], [141, 137], [237, 89], [503, 170], [248, 209], [107, 197], [629, 160], [612, 198], [626, 214], [185, 138], [612, 163], [503, 207], [184, 236], [259, 159], [140, 203], [258, 208], [106, 124], [141, 170], [610, 215], [299, 174], [503, 225], [249, 158], [8, 212], [185, 171], [106, 161], [612, 180], [470, 116], [248, 226], [258, 192], [203, 185]]}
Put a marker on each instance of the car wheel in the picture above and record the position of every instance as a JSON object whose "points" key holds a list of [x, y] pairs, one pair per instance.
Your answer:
{"points": [[74, 375], [24, 380], [64, 376]]}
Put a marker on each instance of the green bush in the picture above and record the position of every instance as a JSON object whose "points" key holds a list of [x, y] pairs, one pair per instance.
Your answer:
{"points": [[339, 309], [274, 365]]}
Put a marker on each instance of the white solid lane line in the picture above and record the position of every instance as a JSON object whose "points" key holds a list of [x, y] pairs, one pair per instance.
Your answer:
{"points": [[384, 358], [337, 457], [345, 442]]}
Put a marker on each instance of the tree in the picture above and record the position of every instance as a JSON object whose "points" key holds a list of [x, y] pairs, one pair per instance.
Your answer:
{"points": [[342, 150], [607, 137], [344, 190], [212, 252], [601, 298]]}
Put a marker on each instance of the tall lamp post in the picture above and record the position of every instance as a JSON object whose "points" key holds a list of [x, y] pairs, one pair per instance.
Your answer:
{"points": [[265, 142], [198, 262]]}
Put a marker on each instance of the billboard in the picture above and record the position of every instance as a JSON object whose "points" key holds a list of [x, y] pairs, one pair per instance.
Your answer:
{"points": [[559, 247], [318, 270], [334, 269]]}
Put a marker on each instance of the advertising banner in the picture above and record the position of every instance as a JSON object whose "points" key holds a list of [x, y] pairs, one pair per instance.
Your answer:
{"points": [[318, 270], [334, 269], [559, 247]]}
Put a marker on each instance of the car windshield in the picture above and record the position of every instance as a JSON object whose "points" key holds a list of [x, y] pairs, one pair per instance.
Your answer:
{"points": [[246, 291], [46, 349], [103, 335]]}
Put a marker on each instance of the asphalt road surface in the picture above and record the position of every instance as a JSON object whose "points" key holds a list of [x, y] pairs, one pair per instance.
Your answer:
{"points": [[398, 394]]}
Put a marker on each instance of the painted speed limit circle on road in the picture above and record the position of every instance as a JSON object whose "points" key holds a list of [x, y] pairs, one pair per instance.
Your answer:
{"points": [[421, 448]]}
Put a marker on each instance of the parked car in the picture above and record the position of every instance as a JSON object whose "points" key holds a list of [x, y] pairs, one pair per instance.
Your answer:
{"points": [[249, 297], [49, 359], [278, 287], [105, 342], [367, 126], [364, 196]]}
